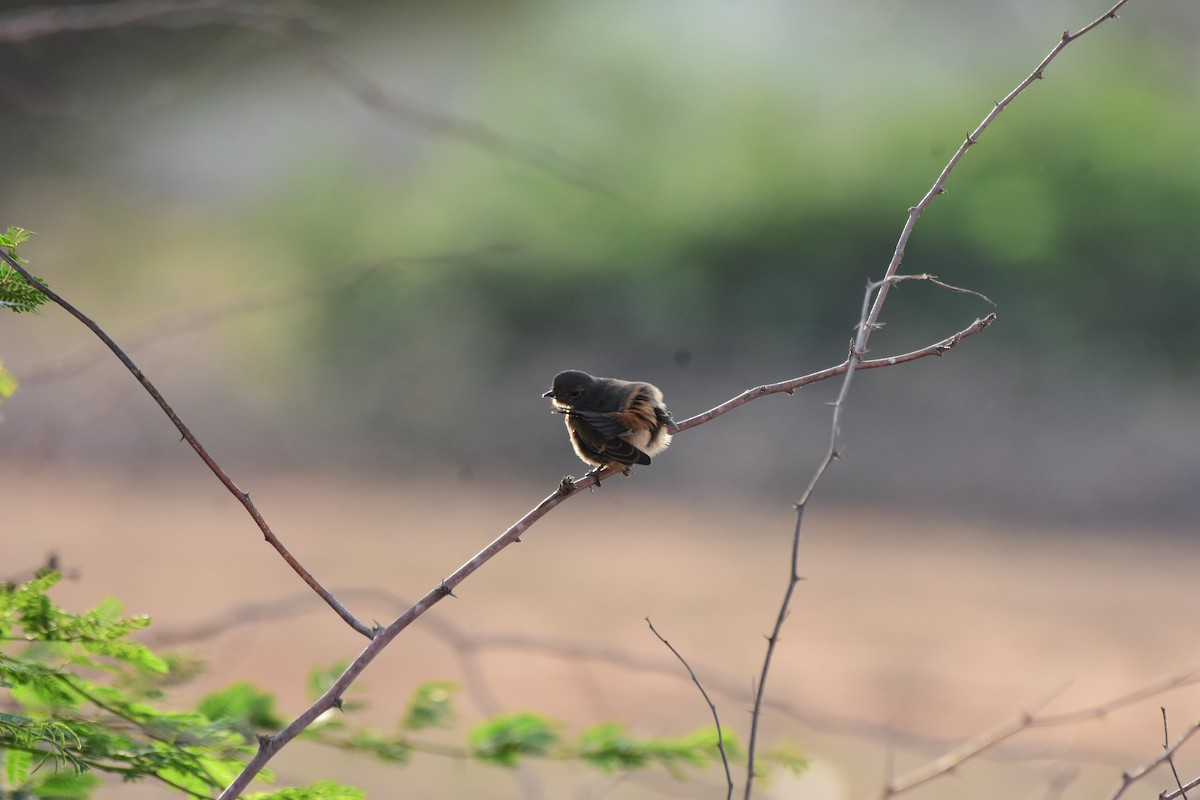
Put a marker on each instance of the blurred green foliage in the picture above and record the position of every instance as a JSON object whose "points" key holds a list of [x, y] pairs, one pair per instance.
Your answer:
{"points": [[753, 226], [81, 697]]}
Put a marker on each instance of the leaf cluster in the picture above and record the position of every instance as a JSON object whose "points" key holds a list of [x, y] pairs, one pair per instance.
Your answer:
{"points": [[509, 739], [77, 697], [15, 292]]}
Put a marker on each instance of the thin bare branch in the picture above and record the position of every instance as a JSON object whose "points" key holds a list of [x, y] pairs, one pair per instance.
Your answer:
{"points": [[852, 363], [1181, 791], [1170, 758], [243, 497], [937, 282], [858, 350], [268, 746], [1130, 778], [987, 740], [791, 385], [939, 185], [711, 706]]}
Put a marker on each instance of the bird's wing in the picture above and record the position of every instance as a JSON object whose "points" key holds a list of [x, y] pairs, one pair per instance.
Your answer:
{"points": [[609, 424]]}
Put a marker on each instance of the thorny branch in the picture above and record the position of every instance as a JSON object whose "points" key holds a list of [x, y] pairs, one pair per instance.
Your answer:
{"points": [[858, 351], [243, 497]]}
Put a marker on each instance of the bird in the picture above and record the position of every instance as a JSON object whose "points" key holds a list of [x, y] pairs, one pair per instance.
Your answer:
{"points": [[612, 423]]}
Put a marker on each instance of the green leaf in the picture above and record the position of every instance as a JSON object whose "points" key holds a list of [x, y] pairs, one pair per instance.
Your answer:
{"points": [[65, 786], [14, 236], [241, 704], [608, 747], [16, 767], [431, 706], [506, 738], [16, 293]]}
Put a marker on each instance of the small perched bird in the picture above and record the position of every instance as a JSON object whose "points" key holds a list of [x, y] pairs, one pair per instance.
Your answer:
{"points": [[611, 422]]}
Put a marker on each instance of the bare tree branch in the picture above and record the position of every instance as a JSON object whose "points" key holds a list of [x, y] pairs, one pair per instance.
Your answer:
{"points": [[1181, 791], [1130, 778], [711, 706], [987, 740], [1170, 758], [858, 350], [939, 185], [242, 496]]}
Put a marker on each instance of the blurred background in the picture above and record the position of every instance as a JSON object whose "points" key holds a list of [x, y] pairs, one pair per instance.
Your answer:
{"points": [[352, 243]]}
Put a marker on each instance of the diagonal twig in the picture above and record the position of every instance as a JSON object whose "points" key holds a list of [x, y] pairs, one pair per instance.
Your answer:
{"points": [[987, 740], [1130, 778], [243, 497], [1170, 757], [711, 707]]}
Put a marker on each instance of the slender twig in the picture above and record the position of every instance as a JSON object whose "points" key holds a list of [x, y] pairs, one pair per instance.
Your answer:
{"points": [[939, 185], [858, 350], [1181, 791], [711, 706], [1170, 759], [268, 746], [242, 496], [853, 361], [1130, 778], [791, 385], [952, 760]]}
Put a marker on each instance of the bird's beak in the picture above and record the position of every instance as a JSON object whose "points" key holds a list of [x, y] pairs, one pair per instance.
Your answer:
{"points": [[549, 393]]}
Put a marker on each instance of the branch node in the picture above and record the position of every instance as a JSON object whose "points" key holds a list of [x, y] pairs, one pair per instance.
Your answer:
{"points": [[566, 485], [264, 741], [337, 703], [445, 590]]}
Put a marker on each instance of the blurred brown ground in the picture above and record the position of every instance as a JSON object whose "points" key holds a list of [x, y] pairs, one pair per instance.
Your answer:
{"points": [[909, 634]]}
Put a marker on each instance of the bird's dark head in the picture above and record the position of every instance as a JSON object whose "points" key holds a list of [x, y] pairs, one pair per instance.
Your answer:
{"points": [[571, 386]]}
